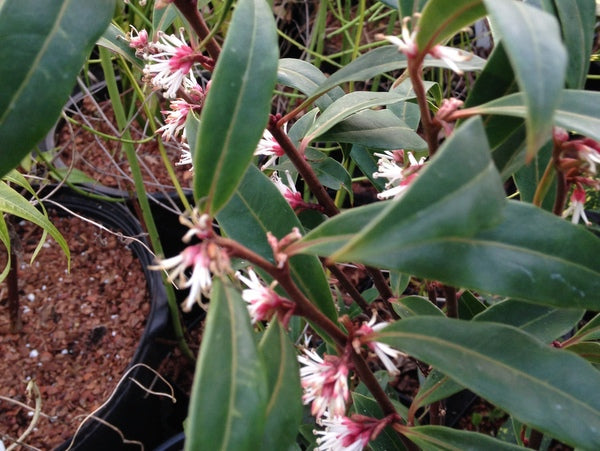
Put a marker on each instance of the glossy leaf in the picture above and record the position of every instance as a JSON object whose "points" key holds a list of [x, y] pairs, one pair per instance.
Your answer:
{"points": [[386, 59], [43, 46], [383, 233], [256, 208], [577, 20], [238, 104], [330, 172], [436, 438], [533, 44], [578, 110], [551, 390], [437, 386], [544, 323], [284, 406], [229, 394], [306, 78], [591, 330], [377, 129], [469, 306], [415, 306], [441, 19], [346, 106]]}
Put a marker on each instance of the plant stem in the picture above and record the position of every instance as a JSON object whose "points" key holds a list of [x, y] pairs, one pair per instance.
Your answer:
{"points": [[349, 287], [305, 170], [451, 302], [415, 71], [189, 9]]}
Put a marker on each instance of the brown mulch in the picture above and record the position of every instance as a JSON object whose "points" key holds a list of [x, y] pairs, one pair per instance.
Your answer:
{"points": [[80, 329]]}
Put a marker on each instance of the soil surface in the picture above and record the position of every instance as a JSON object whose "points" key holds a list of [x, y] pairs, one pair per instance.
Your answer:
{"points": [[104, 160], [80, 329]]}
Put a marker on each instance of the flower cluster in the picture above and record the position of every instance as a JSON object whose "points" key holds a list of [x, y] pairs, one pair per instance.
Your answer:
{"points": [[204, 258], [264, 302], [350, 433], [365, 334], [391, 166]]}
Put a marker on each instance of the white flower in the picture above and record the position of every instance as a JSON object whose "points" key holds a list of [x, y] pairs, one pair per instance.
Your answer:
{"points": [[186, 155], [269, 147], [343, 434], [325, 383], [171, 64], [399, 177], [175, 118], [386, 354], [263, 301], [576, 207]]}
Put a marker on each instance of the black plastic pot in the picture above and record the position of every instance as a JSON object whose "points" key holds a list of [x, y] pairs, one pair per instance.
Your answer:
{"points": [[138, 415]]}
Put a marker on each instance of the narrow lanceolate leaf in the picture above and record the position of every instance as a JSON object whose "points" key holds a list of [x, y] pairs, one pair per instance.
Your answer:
{"points": [[238, 104], [112, 39], [12, 203], [284, 406], [256, 208], [577, 110], [376, 129], [577, 20], [544, 323], [43, 45], [534, 46], [551, 390], [347, 106], [441, 19], [460, 179], [5, 240], [415, 306], [306, 78], [229, 394], [436, 438]]}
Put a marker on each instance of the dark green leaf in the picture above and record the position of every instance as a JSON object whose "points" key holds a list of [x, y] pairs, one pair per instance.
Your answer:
{"points": [[229, 394], [469, 306], [113, 40], [441, 19], [238, 104], [284, 407], [532, 41], [43, 46], [376, 129], [306, 78], [577, 20], [435, 438], [591, 330], [544, 323], [330, 173], [551, 390], [415, 306], [436, 387]]}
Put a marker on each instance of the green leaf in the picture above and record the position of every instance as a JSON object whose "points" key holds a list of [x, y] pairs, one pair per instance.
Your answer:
{"points": [[532, 41], [256, 208], [238, 104], [441, 19], [530, 175], [578, 110], [5, 239], [551, 390], [437, 386], [376, 129], [229, 394], [347, 106], [43, 46], [415, 306], [577, 22], [284, 406], [589, 350], [469, 306], [544, 323], [591, 330], [407, 7], [11, 202], [388, 439], [383, 233], [306, 78], [330, 172], [435, 438]]}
